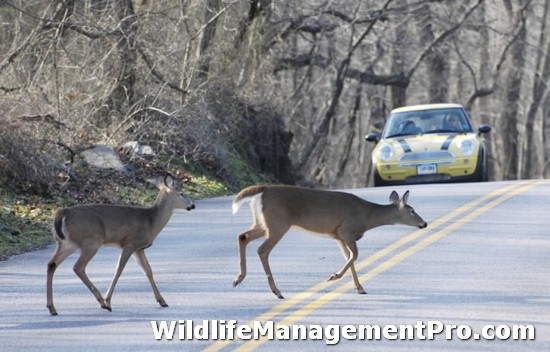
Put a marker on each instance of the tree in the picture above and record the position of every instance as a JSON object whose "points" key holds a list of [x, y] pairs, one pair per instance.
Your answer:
{"points": [[533, 146], [324, 73], [512, 91]]}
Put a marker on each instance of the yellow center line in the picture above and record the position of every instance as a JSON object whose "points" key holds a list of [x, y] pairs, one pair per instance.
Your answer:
{"points": [[300, 297]]}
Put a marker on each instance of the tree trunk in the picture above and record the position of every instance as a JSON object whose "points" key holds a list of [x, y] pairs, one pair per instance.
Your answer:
{"points": [[212, 8], [533, 148], [485, 77], [512, 99], [123, 95], [436, 61], [545, 131], [398, 93]]}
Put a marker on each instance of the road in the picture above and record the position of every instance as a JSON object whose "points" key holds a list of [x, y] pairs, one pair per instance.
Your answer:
{"points": [[483, 260]]}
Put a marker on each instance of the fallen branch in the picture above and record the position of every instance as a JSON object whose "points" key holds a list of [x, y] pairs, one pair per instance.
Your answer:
{"points": [[42, 118]]}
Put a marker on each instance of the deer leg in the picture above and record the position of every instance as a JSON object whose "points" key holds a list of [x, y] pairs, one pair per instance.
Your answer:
{"points": [[122, 260], [352, 250], [80, 270], [141, 259], [263, 251], [243, 240], [62, 251], [347, 255]]}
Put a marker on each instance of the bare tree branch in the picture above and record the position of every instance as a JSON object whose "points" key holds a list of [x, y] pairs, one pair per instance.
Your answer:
{"points": [[322, 130], [440, 38], [159, 76], [8, 89], [399, 79], [490, 89], [26, 42]]}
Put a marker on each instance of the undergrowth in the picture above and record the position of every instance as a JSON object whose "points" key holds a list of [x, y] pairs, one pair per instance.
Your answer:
{"points": [[25, 220]]}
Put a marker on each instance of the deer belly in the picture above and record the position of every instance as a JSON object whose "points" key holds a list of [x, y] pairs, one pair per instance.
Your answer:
{"points": [[314, 233]]}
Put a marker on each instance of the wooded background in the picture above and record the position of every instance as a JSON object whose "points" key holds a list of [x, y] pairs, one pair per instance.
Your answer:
{"points": [[288, 87]]}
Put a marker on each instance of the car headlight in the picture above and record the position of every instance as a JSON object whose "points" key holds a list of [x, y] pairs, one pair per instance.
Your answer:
{"points": [[385, 152], [467, 147]]}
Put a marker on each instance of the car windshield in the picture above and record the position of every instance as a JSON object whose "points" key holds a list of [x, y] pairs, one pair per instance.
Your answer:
{"points": [[452, 120]]}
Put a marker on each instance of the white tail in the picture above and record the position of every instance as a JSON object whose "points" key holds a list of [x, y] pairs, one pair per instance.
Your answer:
{"points": [[342, 216], [88, 227]]}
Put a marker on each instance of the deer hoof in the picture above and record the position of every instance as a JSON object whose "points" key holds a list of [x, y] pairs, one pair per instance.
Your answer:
{"points": [[104, 306], [333, 277], [238, 280], [52, 310]]}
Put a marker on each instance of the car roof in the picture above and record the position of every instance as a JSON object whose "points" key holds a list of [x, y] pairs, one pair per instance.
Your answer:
{"points": [[426, 107]]}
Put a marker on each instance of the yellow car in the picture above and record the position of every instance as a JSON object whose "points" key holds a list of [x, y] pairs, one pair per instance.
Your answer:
{"points": [[429, 143]]}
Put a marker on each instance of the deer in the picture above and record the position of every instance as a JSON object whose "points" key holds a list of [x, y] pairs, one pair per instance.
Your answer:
{"points": [[89, 227], [338, 215]]}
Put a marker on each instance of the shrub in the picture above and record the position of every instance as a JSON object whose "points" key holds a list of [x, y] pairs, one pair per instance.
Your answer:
{"points": [[29, 159]]}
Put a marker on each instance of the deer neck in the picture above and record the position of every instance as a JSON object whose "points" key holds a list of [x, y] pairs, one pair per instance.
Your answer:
{"points": [[162, 210], [380, 215]]}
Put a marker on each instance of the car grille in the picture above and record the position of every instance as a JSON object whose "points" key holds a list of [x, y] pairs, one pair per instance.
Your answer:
{"points": [[438, 154]]}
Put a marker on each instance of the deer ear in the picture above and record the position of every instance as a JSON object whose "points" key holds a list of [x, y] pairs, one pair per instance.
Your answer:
{"points": [[168, 180], [405, 197], [394, 197], [159, 181]]}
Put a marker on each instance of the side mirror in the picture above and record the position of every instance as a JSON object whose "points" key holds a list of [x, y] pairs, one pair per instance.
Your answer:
{"points": [[373, 137], [484, 129]]}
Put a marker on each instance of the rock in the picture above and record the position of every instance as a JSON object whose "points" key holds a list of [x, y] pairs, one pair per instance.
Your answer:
{"points": [[104, 157], [134, 149]]}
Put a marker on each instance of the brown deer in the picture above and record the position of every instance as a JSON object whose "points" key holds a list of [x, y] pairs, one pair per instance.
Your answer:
{"points": [[338, 215], [89, 227]]}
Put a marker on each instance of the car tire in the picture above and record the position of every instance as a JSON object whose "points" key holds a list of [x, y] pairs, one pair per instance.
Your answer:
{"points": [[485, 173], [482, 173]]}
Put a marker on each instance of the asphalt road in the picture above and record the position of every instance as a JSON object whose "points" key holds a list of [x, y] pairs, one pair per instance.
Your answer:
{"points": [[483, 260]]}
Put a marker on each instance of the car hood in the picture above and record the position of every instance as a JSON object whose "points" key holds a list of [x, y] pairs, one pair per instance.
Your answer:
{"points": [[429, 146]]}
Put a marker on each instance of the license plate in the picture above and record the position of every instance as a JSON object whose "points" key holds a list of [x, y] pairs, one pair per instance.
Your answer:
{"points": [[426, 169]]}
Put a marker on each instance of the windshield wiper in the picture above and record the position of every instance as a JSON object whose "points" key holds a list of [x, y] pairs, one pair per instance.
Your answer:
{"points": [[402, 135], [445, 131]]}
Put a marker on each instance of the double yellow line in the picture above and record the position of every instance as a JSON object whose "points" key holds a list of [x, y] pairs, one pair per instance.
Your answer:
{"points": [[467, 213]]}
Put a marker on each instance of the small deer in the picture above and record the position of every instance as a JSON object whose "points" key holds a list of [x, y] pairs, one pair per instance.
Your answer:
{"points": [[338, 215], [88, 227]]}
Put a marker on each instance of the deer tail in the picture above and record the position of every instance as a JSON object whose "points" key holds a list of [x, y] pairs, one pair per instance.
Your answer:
{"points": [[246, 193], [58, 224]]}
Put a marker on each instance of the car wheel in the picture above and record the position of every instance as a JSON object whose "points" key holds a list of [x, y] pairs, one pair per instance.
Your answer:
{"points": [[485, 176], [482, 173]]}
